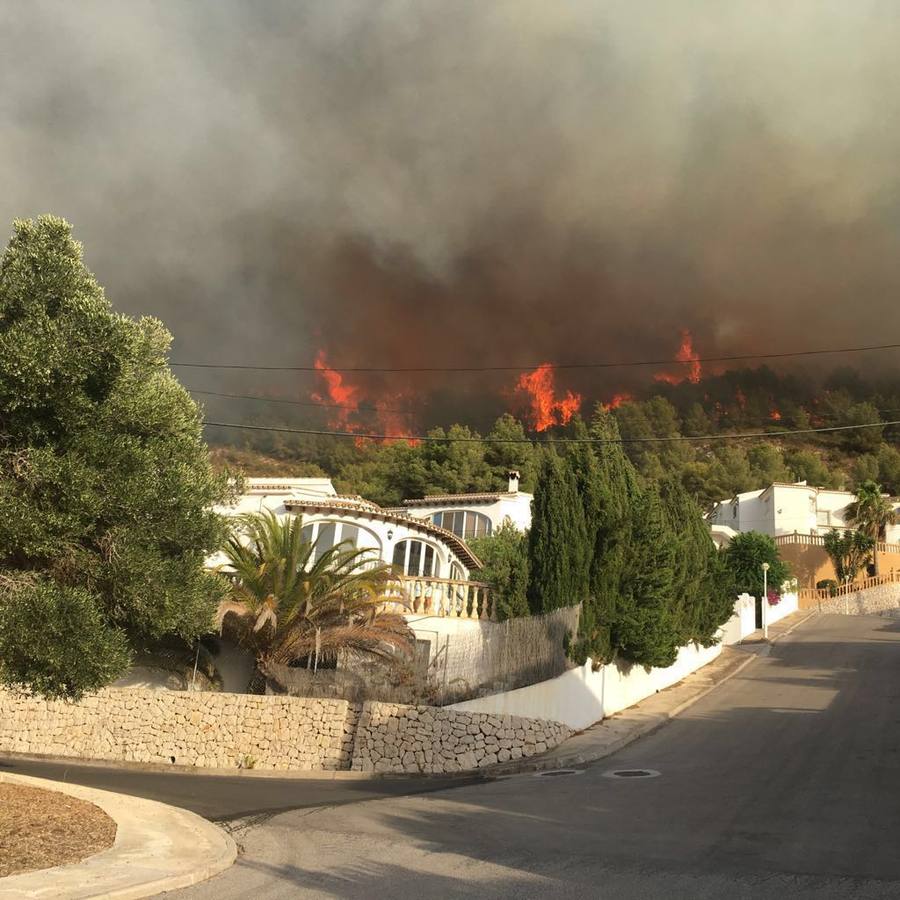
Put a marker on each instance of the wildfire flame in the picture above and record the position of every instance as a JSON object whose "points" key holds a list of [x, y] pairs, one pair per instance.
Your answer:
{"points": [[544, 409], [344, 412], [617, 400], [775, 415], [686, 354]]}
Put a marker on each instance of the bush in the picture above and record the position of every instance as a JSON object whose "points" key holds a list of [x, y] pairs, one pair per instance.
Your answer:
{"points": [[828, 584]]}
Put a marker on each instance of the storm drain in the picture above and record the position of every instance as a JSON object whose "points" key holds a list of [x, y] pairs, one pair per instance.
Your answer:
{"points": [[631, 773], [555, 773]]}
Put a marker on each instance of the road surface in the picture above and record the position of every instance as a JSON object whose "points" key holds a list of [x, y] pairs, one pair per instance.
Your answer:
{"points": [[225, 797], [783, 782]]}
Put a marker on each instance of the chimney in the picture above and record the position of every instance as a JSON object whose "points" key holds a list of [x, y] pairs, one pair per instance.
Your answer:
{"points": [[513, 482]]}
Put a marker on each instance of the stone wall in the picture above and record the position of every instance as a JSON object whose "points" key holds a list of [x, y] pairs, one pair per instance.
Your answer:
{"points": [[862, 603], [194, 729], [267, 732], [395, 738]]}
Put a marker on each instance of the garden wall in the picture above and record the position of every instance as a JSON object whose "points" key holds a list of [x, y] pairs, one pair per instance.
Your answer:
{"points": [[862, 603], [395, 738], [185, 728], [267, 732]]}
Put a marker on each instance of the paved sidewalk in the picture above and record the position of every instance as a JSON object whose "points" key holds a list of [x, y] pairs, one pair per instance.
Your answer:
{"points": [[610, 735], [157, 848]]}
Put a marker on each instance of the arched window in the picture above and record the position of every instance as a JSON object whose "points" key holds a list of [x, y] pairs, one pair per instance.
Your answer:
{"points": [[326, 535], [463, 523], [415, 558]]}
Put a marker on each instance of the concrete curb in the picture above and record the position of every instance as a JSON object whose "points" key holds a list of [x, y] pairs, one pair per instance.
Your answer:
{"points": [[157, 848]]}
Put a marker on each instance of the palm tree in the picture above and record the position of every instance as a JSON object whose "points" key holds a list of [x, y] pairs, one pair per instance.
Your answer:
{"points": [[871, 514], [290, 604]]}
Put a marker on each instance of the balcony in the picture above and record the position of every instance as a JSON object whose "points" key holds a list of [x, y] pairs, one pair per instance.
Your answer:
{"points": [[447, 598]]}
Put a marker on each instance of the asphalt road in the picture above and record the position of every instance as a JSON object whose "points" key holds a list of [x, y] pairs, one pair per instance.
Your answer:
{"points": [[783, 782], [225, 797]]}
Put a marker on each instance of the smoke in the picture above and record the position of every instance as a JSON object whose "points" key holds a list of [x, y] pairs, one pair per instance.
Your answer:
{"points": [[466, 183]]}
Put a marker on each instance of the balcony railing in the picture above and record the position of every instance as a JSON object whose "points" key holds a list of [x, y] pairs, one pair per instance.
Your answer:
{"points": [[845, 590], [448, 598], [818, 540]]}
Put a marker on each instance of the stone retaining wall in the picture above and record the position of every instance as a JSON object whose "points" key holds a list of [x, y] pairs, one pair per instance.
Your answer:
{"points": [[193, 729], [863, 603], [267, 732], [395, 738]]}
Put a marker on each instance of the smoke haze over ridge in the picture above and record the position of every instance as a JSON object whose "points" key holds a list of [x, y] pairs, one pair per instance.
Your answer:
{"points": [[458, 182]]}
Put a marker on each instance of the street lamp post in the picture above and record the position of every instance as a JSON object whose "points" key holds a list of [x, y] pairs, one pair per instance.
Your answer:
{"points": [[765, 601]]}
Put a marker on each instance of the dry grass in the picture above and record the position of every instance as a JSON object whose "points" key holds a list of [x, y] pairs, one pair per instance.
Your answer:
{"points": [[39, 829]]}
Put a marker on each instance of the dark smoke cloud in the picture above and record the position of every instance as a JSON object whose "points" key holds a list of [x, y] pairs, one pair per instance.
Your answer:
{"points": [[466, 182]]}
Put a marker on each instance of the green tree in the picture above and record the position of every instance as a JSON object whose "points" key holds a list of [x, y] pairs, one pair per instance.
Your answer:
{"points": [[646, 629], [702, 595], [850, 551], [503, 457], [557, 542], [504, 555], [807, 465], [744, 557], [697, 422], [290, 604], [106, 490], [871, 512], [889, 468]]}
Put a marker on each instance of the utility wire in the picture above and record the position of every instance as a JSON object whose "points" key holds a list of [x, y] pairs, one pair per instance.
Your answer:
{"points": [[595, 365], [479, 440]]}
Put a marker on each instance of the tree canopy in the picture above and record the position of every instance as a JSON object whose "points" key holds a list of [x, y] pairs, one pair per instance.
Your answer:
{"points": [[106, 490], [745, 556]]}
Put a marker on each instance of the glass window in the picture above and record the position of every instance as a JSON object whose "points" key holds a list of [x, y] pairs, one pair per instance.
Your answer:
{"points": [[437, 518], [415, 558], [349, 535], [306, 532], [325, 538]]}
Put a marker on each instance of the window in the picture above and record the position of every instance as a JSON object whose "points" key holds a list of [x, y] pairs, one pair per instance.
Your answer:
{"points": [[463, 523], [325, 539], [326, 535], [415, 558], [823, 517]]}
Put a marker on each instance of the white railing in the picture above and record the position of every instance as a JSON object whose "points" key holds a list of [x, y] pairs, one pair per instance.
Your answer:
{"points": [[818, 540], [851, 588], [447, 598]]}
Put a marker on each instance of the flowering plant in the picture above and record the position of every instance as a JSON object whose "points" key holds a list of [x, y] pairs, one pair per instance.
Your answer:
{"points": [[773, 597]]}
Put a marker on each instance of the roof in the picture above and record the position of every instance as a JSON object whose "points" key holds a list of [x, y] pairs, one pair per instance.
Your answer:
{"points": [[486, 497], [373, 511]]}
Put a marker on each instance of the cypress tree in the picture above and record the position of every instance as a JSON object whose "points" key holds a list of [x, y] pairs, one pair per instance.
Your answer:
{"points": [[557, 541]]}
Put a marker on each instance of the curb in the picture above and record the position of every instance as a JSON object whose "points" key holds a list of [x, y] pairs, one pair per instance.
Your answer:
{"points": [[157, 848]]}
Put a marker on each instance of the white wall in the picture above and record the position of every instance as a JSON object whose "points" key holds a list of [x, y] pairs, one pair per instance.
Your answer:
{"points": [[788, 604], [515, 507], [580, 697], [742, 623]]}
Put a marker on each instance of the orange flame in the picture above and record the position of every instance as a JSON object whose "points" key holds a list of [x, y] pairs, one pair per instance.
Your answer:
{"points": [[617, 400], [686, 354], [775, 415], [544, 409], [345, 399]]}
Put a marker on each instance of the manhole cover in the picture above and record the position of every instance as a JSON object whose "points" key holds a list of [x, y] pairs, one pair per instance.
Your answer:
{"points": [[553, 773], [631, 773]]}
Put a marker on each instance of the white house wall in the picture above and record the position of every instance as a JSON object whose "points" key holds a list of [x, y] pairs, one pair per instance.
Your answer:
{"points": [[515, 507]]}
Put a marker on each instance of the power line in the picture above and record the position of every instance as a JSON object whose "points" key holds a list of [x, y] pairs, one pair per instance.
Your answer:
{"points": [[479, 440], [350, 406], [595, 365]]}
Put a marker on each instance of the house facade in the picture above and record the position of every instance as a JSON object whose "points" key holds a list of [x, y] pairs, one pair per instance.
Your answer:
{"points": [[782, 509], [475, 515], [798, 516], [417, 547]]}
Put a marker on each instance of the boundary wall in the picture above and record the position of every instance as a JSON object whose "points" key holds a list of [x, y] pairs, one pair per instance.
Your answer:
{"points": [[221, 730]]}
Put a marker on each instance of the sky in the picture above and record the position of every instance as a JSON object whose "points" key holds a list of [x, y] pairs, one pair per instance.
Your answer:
{"points": [[461, 182]]}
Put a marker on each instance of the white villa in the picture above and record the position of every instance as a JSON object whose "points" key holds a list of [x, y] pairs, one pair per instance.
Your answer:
{"points": [[782, 509], [474, 515], [436, 563]]}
